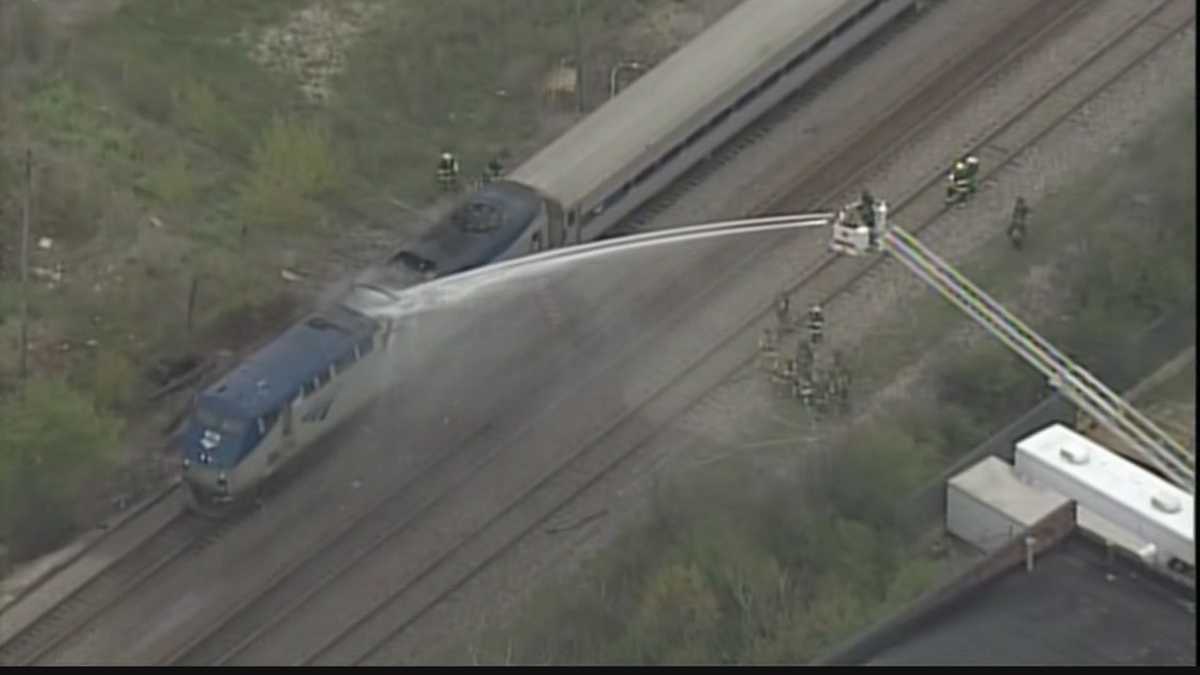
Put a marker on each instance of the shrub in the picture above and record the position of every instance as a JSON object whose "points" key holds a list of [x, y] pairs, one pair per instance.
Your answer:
{"points": [[298, 157], [171, 182], [53, 443], [678, 612], [24, 37], [875, 469], [292, 163], [114, 382], [197, 108], [990, 382]]}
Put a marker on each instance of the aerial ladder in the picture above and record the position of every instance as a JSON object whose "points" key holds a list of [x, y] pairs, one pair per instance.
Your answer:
{"points": [[863, 228]]}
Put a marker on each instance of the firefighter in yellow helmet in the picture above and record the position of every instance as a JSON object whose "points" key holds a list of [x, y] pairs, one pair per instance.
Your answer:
{"points": [[447, 172], [963, 180]]}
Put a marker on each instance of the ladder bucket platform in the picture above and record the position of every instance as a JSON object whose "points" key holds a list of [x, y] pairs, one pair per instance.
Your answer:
{"points": [[854, 234]]}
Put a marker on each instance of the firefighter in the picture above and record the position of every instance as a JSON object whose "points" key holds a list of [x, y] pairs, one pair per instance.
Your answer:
{"points": [[832, 391], [768, 342], [805, 359], [782, 305], [1017, 228], [805, 392], [962, 179], [495, 168], [767, 349], [867, 209], [839, 362], [783, 376], [447, 172], [816, 324], [819, 399]]}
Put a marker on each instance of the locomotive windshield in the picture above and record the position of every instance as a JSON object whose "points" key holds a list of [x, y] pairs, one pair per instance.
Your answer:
{"points": [[414, 262], [226, 425]]}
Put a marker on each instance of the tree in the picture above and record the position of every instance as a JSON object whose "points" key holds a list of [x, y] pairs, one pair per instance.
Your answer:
{"points": [[875, 470], [53, 442], [678, 612]]}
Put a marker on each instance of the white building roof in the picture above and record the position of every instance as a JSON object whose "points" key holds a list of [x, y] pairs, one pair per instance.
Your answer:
{"points": [[995, 483], [1118, 479]]}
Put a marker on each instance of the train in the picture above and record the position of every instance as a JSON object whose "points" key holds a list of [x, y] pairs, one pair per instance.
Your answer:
{"points": [[288, 394]]}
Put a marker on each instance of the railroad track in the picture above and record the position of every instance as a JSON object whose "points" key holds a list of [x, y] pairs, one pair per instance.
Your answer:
{"points": [[181, 535], [589, 466], [1001, 146], [533, 508]]}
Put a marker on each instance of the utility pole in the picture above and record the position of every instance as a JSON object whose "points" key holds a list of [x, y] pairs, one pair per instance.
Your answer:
{"points": [[23, 336], [191, 303], [578, 56]]}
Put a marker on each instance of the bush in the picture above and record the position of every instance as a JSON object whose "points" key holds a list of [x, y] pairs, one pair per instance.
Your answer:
{"points": [[69, 198], [24, 36], [293, 162], [115, 381], [989, 382], [74, 117], [171, 182], [678, 612], [298, 157], [197, 108], [53, 443], [876, 468]]}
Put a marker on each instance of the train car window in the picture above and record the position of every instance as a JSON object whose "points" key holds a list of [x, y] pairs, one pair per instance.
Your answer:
{"points": [[414, 262], [267, 421], [535, 242], [346, 361], [612, 199]]}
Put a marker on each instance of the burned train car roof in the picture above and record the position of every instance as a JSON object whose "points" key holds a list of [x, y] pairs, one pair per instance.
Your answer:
{"points": [[479, 229]]}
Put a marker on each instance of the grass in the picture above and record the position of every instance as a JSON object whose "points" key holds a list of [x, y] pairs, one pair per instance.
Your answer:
{"points": [[718, 574]]}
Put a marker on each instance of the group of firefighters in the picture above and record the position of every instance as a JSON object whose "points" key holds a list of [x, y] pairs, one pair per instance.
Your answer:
{"points": [[963, 183], [448, 170], [799, 376]]}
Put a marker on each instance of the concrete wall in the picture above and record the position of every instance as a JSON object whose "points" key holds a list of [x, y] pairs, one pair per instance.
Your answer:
{"points": [[977, 523]]}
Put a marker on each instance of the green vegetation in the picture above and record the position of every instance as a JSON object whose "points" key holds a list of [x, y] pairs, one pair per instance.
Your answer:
{"points": [[115, 381], [53, 442], [717, 575], [257, 129], [292, 163], [220, 140], [171, 182]]}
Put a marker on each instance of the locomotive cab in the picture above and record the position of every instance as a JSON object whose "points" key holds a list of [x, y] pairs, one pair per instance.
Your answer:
{"points": [[215, 440]]}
